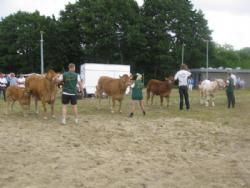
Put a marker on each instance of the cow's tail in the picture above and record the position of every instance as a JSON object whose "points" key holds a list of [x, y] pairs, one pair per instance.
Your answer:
{"points": [[148, 93], [97, 92]]}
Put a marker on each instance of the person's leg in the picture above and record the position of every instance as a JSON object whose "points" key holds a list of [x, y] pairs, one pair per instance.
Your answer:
{"points": [[65, 101], [185, 92], [75, 110], [228, 100], [4, 94], [141, 102], [181, 97], [64, 113], [232, 99], [132, 108], [74, 107]]}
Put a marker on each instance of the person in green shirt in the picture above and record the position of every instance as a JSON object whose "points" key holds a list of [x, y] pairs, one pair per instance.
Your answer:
{"points": [[137, 95], [230, 91], [69, 92]]}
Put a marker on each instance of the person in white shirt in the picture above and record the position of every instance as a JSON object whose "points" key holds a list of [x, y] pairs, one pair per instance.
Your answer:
{"points": [[182, 76], [3, 85], [21, 81], [234, 79]]}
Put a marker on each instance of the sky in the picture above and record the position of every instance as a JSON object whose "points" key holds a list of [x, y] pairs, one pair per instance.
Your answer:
{"points": [[228, 19]]}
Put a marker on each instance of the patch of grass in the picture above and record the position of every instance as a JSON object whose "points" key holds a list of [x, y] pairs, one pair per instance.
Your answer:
{"points": [[219, 113]]}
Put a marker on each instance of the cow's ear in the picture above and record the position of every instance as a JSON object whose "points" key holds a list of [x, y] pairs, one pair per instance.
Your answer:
{"points": [[120, 76]]}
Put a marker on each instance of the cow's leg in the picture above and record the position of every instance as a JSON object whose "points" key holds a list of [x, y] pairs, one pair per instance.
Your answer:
{"points": [[113, 105], [98, 95], [120, 106], [36, 106], [161, 100], [24, 110], [8, 106], [201, 97], [148, 95], [212, 100], [152, 98], [12, 104], [52, 109], [167, 98], [207, 101], [44, 110]]}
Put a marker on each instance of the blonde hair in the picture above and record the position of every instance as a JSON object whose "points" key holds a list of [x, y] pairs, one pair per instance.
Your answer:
{"points": [[71, 66], [183, 67]]}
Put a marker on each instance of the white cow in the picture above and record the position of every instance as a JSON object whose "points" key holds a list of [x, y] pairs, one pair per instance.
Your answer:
{"points": [[208, 88]]}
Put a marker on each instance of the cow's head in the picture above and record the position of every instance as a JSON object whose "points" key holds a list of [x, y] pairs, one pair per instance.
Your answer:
{"points": [[170, 79], [126, 80], [220, 83], [52, 76]]}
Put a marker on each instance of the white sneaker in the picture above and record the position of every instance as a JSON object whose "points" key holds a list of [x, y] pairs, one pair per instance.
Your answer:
{"points": [[63, 121], [76, 121]]}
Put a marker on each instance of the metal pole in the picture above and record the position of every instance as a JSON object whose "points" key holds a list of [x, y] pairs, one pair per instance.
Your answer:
{"points": [[42, 62], [207, 60], [182, 53]]}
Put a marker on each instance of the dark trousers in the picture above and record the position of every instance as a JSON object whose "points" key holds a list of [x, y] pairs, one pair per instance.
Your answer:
{"points": [[3, 90], [230, 99], [183, 91]]}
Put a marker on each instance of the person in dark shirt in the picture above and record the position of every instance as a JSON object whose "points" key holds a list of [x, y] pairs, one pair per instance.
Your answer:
{"points": [[137, 95], [230, 91], [69, 92]]}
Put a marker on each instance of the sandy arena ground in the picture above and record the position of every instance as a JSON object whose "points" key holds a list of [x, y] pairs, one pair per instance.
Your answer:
{"points": [[119, 152]]}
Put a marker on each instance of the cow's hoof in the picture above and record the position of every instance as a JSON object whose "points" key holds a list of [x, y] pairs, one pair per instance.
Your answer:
{"points": [[112, 111], [53, 116], [45, 117]]}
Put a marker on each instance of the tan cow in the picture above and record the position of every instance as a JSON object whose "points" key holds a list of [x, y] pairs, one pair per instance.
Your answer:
{"points": [[44, 88], [113, 87], [15, 93], [161, 88]]}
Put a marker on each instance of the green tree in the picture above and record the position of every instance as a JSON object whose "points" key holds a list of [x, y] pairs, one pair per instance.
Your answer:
{"points": [[20, 42], [168, 24]]}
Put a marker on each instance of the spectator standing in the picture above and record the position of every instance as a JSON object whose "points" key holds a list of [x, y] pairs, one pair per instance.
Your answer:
{"points": [[3, 85], [21, 81], [190, 83], [182, 76], [12, 79]]}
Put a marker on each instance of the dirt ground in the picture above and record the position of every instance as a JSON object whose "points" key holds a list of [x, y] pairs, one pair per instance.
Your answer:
{"points": [[114, 151]]}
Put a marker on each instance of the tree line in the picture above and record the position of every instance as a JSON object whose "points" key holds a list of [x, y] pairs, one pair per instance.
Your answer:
{"points": [[150, 38]]}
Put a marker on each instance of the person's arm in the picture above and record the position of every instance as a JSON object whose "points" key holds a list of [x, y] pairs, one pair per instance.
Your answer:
{"points": [[79, 82], [176, 76]]}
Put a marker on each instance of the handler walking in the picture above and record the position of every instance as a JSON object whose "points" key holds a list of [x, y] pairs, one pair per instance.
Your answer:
{"points": [[182, 76], [137, 95]]}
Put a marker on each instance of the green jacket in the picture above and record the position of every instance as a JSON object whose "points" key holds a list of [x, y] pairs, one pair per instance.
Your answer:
{"points": [[69, 82], [137, 90], [230, 85]]}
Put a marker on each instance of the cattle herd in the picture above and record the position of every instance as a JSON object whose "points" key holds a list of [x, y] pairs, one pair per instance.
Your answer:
{"points": [[44, 88]]}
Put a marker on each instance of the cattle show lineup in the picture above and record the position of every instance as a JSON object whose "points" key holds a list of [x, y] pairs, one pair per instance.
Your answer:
{"points": [[165, 139], [124, 94]]}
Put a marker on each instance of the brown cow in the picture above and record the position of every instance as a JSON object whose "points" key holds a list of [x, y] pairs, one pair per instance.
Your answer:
{"points": [[161, 88], [114, 88], [15, 93], [44, 88]]}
